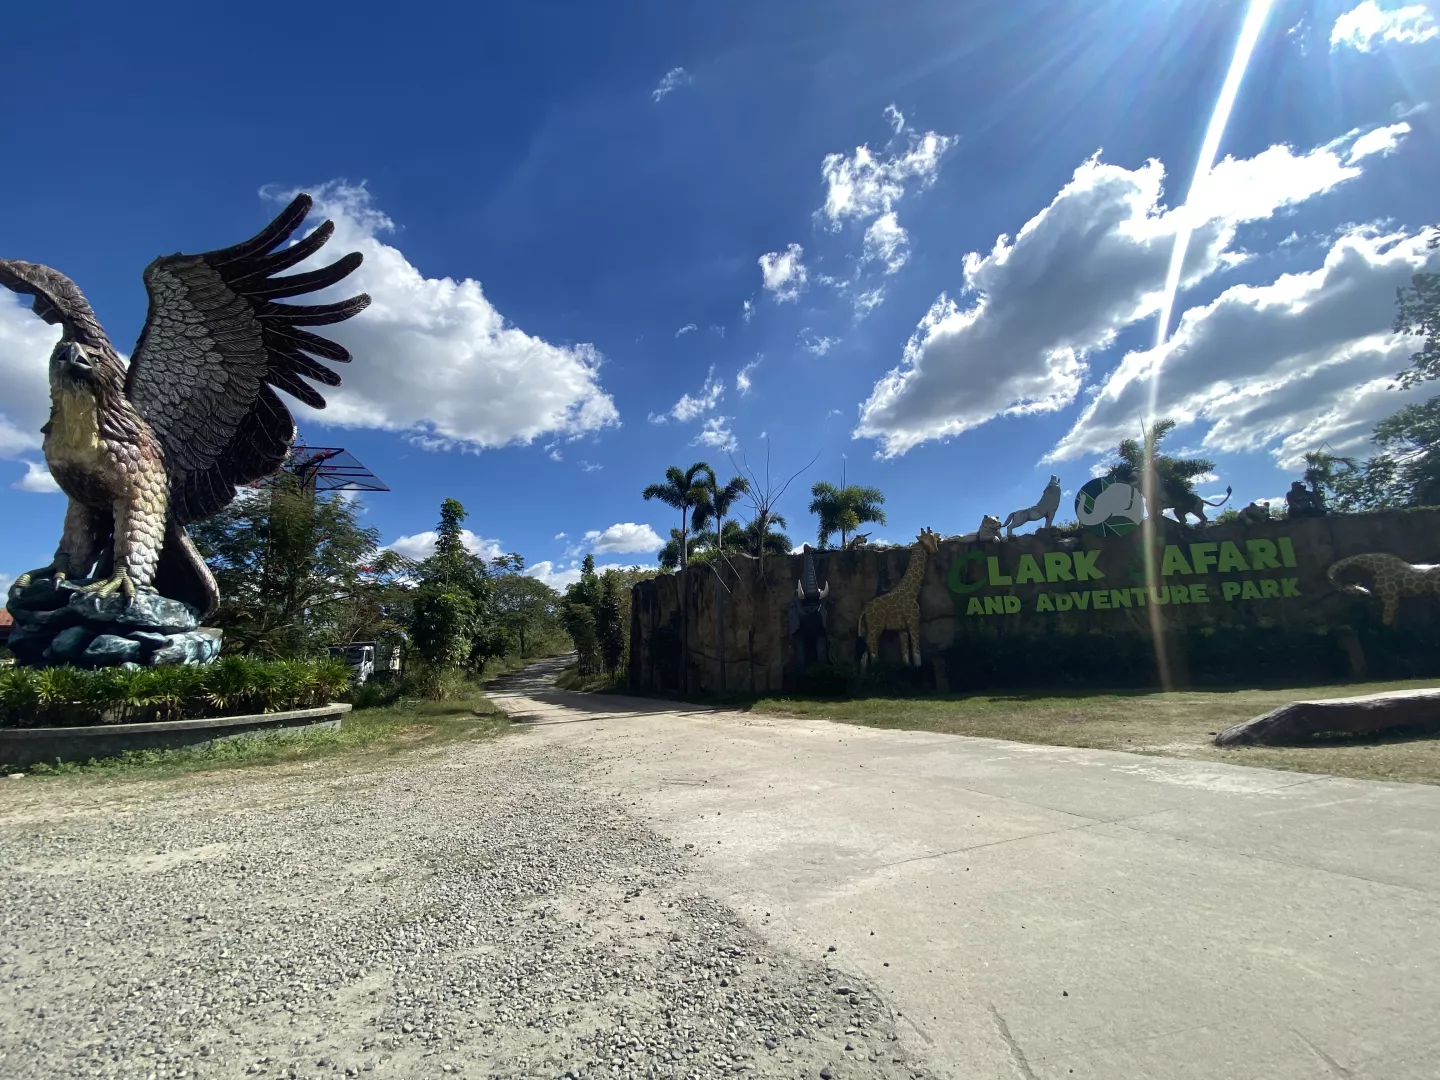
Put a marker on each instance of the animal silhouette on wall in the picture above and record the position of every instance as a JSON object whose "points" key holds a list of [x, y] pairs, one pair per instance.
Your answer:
{"points": [[899, 609], [810, 616], [1186, 503], [1044, 510], [1390, 578]]}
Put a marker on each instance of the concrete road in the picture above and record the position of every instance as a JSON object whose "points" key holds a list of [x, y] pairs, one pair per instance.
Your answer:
{"points": [[1040, 912]]}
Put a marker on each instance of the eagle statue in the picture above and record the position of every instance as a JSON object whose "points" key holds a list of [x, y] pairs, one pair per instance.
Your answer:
{"points": [[144, 449]]}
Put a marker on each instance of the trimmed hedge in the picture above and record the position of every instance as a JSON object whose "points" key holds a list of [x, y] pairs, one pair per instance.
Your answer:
{"points": [[232, 686]]}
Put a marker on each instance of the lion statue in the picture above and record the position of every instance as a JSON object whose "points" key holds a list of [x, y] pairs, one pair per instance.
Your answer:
{"points": [[1044, 510]]}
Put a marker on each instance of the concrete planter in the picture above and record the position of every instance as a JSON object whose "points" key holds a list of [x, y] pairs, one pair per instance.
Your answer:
{"points": [[23, 747]]}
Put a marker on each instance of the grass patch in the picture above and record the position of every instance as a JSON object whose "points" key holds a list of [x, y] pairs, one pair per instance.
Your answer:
{"points": [[571, 679], [368, 735], [1175, 724]]}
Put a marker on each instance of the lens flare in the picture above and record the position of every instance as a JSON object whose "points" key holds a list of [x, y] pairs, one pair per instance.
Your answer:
{"points": [[1255, 16]]}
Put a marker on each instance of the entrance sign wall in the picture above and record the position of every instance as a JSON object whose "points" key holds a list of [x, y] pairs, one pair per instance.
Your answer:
{"points": [[1239, 601]]}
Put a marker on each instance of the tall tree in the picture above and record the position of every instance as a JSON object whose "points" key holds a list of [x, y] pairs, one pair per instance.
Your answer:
{"points": [[1406, 471], [608, 626], [772, 541], [715, 510], [845, 509], [684, 491], [763, 498], [1143, 465], [670, 557], [451, 623], [526, 607], [296, 571]]}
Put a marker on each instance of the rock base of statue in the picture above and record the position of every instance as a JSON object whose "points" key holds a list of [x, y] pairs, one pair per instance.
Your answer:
{"points": [[59, 624]]}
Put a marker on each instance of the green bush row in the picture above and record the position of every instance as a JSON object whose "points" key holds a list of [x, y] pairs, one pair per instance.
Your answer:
{"points": [[232, 686]]}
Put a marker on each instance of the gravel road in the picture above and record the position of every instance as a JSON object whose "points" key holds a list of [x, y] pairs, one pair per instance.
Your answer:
{"points": [[481, 911]]}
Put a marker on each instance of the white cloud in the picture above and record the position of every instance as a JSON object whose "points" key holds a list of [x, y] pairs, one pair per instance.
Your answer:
{"points": [[687, 328], [1383, 141], [886, 242], [554, 454], [815, 344], [545, 571], [1091, 263], [624, 537], [25, 344], [1365, 24], [747, 309], [716, 433], [865, 185], [37, 478], [692, 406], [560, 536], [672, 79], [742, 377], [1306, 360], [1403, 110], [783, 273], [867, 301], [434, 359], [422, 545], [589, 466]]}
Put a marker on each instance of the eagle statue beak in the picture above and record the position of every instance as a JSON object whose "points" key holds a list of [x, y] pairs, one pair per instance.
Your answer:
{"points": [[74, 359]]}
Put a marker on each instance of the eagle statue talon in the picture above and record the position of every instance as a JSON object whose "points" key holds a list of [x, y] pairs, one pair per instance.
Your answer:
{"points": [[53, 572], [117, 582]]}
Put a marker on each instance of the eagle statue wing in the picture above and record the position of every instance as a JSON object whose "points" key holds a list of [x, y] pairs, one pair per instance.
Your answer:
{"points": [[216, 346]]}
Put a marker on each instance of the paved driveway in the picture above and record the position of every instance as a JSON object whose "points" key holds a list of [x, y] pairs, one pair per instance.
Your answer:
{"points": [[1042, 912]]}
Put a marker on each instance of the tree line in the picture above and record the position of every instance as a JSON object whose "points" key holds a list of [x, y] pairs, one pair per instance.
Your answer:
{"points": [[298, 573]]}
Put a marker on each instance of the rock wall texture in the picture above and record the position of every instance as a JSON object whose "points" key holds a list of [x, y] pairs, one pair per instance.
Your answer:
{"points": [[1225, 603]]}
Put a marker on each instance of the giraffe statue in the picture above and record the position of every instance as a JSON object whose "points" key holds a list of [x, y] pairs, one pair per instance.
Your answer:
{"points": [[1391, 578], [899, 609]]}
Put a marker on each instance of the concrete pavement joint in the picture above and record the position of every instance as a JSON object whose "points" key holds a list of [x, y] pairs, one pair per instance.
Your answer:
{"points": [[1017, 1055], [1334, 1066]]}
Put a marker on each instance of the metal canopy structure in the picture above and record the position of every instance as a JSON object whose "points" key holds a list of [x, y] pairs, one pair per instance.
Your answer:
{"points": [[330, 468]]}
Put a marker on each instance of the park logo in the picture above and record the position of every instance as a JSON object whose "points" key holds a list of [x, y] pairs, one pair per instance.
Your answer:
{"points": [[1109, 507]]}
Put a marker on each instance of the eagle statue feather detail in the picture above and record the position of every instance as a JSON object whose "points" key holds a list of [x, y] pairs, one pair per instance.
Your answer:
{"points": [[144, 450]]}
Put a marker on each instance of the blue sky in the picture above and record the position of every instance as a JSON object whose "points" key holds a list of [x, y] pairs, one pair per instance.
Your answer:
{"points": [[925, 244]]}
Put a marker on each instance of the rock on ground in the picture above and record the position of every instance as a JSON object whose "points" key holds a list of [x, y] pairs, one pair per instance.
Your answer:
{"points": [[469, 913]]}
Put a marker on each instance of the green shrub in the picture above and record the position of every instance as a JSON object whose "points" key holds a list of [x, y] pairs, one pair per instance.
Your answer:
{"points": [[232, 686]]}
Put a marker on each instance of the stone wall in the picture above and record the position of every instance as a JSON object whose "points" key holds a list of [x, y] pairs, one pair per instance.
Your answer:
{"points": [[1226, 603]]}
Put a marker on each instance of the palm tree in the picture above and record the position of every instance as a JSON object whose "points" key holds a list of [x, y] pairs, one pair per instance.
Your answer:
{"points": [[1143, 465], [771, 542], [670, 553], [845, 509], [685, 491], [710, 545], [715, 511]]}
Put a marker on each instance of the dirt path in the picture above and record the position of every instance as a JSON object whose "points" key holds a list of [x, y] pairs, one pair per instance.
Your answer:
{"points": [[472, 912], [1052, 913]]}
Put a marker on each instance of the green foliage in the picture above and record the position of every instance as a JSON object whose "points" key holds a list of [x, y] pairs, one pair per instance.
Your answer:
{"points": [[1417, 311], [688, 491], [232, 686], [452, 620], [766, 537], [527, 609], [845, 509], [1406, 471], [297, 572], [1146, 467]]}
